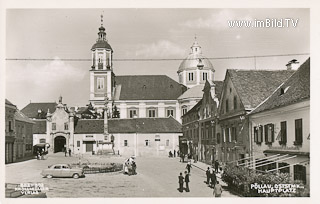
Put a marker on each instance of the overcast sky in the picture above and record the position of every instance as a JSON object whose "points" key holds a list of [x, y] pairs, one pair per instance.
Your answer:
{"points": [[137, 33]]}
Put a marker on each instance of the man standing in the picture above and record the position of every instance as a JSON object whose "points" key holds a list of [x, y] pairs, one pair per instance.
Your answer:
{"points": [[187, 180], [181, 182], [69, 152], [65, 152], [217, 191], [208, 176], [216, 166], [213, 179], [174, 153]]}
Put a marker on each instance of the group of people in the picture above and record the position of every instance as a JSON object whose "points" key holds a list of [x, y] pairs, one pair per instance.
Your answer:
{"points": [[130, 167], [40, 154], [185, 179], [212, 180], [66, 151], [174, 153]]}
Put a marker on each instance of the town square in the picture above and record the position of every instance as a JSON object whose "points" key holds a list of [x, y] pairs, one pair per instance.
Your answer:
{"points": [[115, 103]]}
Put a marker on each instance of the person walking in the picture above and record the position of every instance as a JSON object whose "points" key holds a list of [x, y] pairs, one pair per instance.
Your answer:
{"points": [[187, 180], [174, 153], [188, 167], [213, 179], [208, 176], [180, 177], [69, 152], [65, 152], [217, 191], [211, 175]]}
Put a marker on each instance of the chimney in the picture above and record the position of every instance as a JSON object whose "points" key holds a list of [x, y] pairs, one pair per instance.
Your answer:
{"points": [[293, 65]]}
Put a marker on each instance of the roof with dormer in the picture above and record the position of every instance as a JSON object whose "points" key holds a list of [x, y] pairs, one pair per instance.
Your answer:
{"points": [[293, 90]]}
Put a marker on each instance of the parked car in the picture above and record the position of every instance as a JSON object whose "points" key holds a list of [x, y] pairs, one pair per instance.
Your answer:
{"points": [[62, 170]]}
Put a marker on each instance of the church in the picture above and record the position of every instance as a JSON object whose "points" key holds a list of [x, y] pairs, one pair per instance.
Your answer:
{"points": [[149, 108]]}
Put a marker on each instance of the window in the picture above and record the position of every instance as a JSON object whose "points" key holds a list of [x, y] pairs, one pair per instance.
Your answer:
{"points": [[227, 106], [78, 143], [100, 62], [57, 167], [167, 143], [125, 143], [298, 132], [223, 135], [234, 134], [66, 126], [283, 133], [10, 126], [204, 76], [147, 142], [228, 134], [184, 110], [151, 113], [258, 134], [132, 113], [269, 133], [157, 138], [299, 173], [54, 126], [100, 83], [89, 136], [42, 141], [170, 112], [284, 167], [235, 102], [65, 167], [190, 77]]}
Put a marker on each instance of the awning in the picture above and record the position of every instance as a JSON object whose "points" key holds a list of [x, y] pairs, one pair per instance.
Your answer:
{"points": [[291, 152]]}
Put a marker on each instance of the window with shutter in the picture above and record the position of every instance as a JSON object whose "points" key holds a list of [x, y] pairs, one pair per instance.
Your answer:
{"points": [[266, 133], [283, 133], [255, 134]]}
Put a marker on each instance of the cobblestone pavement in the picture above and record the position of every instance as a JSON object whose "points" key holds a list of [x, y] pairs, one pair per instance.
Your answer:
{"points": [[157, 177]]}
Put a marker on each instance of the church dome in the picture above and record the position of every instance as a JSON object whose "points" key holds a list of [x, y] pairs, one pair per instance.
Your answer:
{"points": [[101, 44], [195, 60]]}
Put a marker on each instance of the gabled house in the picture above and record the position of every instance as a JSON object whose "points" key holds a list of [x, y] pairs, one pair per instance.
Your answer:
{"points": [[280, 127], [242, 91]]}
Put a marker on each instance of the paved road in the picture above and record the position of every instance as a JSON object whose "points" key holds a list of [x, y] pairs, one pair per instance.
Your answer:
{"points": [[157, 177]]}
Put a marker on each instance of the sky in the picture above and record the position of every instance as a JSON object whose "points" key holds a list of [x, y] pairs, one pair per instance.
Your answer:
{"points": [[137, 34]]}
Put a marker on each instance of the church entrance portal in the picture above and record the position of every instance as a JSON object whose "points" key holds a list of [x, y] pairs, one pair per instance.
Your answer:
{"points": [[59, 144]]}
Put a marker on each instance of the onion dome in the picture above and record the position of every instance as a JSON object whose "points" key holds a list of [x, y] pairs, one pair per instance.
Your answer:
{"points": [[195, 60], [101, 41]]}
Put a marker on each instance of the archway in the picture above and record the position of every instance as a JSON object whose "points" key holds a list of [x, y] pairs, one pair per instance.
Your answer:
{"points": [[59, 144]]}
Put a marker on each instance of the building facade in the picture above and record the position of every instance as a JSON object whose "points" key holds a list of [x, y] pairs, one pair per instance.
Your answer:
{"points": [[280, 128], [19, 134], [242, 91]]}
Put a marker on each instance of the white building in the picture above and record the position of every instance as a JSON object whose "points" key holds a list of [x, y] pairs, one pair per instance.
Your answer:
{"points": [[280, 128]]}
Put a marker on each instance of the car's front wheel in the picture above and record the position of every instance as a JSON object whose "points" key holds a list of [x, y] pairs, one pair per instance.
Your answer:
{"points": [[76, 176], [49, 176]]}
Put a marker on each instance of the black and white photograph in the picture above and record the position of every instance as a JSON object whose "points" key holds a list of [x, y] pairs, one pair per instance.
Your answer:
{"points": [[157, 102]]}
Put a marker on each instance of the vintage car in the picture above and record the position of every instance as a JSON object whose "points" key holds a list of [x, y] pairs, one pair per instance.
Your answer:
{"points": [[62, 170]]}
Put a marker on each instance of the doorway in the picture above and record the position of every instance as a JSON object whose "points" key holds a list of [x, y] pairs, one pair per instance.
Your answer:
{"points": [[59, 144]]}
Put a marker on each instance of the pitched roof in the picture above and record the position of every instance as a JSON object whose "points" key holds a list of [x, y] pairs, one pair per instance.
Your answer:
{"points": [[194, 92], [254, 86], [9, 103], [31, 110], [18, 115], [83, 126], [293, 90], [219, 85], [40, 126], [148, 87], [136, 125]]}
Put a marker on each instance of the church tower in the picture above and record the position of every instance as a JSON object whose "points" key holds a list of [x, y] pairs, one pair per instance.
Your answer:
{"points": [[101, 73]]}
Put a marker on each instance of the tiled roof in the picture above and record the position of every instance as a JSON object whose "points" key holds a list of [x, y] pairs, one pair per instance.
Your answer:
{"points": [[136, 125], [194, 92], [219, 85], [254, 86], [295, 89], [83, 126], [18, 115], [195, 108], [40, 127], [148, 87], [31, 110]]}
